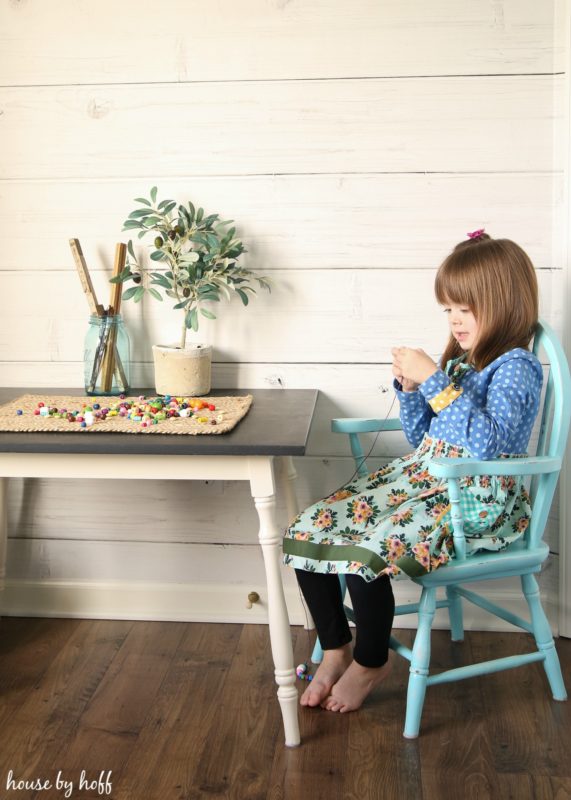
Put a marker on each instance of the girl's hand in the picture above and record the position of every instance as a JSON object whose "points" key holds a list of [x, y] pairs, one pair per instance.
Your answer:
{"points": [[414, 365], [407, 386]]}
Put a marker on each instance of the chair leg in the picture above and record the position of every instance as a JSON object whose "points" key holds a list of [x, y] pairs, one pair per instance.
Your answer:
{"points": [[543, 637], [317, 654], [419, 664], [455, 613]]}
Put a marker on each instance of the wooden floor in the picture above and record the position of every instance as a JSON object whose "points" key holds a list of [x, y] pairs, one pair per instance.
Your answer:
{"points": [[173, 711]]}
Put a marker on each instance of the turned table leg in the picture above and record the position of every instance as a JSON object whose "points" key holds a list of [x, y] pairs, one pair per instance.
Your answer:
{"points": [[263, 492]]}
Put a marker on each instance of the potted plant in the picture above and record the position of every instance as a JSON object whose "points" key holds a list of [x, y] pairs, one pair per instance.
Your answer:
{"points": [[196, 257]]}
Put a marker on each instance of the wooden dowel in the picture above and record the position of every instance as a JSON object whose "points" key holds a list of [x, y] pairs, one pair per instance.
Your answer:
{"points": [[117, 288], [85, 278], [114, 308], [120, 372]]}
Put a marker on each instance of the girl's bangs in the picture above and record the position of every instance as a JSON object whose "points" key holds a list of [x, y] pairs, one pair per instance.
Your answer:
{"points": [[452, 285]]}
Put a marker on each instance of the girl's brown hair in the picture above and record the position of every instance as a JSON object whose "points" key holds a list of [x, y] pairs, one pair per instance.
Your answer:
{"points": [[496, 280]]}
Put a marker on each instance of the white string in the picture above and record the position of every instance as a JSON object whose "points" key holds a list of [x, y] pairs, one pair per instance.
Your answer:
{"points": [[364, 459]]}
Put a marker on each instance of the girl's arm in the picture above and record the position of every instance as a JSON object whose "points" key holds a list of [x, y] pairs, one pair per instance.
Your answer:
{"points": [[415, 414], [513, 393]]}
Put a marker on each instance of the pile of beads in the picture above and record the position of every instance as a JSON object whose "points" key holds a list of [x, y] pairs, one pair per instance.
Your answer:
{"points": [[146, 411], [302, 673]]}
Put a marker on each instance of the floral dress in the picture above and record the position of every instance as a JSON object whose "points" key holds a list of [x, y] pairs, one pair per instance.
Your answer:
{"points": [[396, 520]]}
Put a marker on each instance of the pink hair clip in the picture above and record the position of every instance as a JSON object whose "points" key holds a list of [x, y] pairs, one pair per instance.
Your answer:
{"points": [[476, 234]]}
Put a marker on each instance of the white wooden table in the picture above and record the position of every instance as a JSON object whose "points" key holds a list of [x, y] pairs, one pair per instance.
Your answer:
{"points": [[275, 429]]}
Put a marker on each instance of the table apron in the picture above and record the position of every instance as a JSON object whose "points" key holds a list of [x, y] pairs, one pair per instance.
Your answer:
{"points": [[147, 466]]}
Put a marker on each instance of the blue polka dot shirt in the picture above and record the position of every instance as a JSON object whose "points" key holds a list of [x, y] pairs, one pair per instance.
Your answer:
{"points": [[494, 414]]}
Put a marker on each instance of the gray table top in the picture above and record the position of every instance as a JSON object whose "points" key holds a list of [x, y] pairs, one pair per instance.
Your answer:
{"points": [[278, 423]]}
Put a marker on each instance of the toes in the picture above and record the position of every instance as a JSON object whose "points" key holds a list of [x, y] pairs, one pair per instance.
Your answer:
{"points": [[331, 703], [314, 695]]}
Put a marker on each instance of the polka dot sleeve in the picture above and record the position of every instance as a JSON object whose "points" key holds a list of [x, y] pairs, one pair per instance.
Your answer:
{"points": [[486, 430], [415, 414]]}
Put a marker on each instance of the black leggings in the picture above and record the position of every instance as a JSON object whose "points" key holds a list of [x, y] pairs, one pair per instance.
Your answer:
{"points": [[373, 605]]}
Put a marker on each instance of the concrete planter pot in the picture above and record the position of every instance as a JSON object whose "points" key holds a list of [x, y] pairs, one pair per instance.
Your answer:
{"points": [[183, 373]]}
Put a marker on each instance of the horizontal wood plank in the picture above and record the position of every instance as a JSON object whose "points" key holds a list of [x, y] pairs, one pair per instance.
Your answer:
{"points": [[405, 221], [325, 316], [225, 599], [255, 39], [166, 511], [378, 125]]}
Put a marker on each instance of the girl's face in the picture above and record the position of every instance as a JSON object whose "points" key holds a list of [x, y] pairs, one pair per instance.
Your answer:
{"points": [[463, 325]]}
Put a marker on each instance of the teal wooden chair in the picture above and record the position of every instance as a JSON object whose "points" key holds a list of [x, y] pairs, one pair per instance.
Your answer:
{"points": [[523, 558]]}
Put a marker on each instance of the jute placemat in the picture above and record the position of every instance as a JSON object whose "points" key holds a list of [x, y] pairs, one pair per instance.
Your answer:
{"points": [[227, 413]]}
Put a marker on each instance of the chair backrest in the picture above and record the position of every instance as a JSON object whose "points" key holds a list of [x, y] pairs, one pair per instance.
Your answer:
{"points": [[557, 401], [554, 425]]}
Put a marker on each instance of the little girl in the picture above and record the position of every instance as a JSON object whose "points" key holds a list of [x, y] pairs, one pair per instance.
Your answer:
{"points": [[481, 402]]}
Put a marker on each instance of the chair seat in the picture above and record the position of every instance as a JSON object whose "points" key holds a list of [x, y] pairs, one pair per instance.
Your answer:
{"points": [[515, 560]]}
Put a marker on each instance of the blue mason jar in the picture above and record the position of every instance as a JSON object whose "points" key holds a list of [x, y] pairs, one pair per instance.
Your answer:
{"points": [[106, 356]]}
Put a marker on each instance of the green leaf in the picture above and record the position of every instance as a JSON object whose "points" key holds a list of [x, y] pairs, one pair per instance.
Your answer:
{"points": [[131, 223], [210, 296], [234, 252], [163, 203], [190, 274], [169, 207], [142, 233], [123, 276], [207, 314], [128, 293], [157, 295], [154, 194], [183, 303], [189, 258], [130, 249], [140, 212], [199, 215], [160, 280], [191, 319], [142, 200], [139, 292], [243, 296], [192, 210], [158, 255]]}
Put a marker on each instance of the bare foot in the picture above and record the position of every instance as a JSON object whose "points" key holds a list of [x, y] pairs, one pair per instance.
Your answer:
{"points": [[334, 664], [356, 683]]}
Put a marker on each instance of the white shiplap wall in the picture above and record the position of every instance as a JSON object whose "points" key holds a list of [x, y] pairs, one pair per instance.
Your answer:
{"points": [[353, 143]]}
